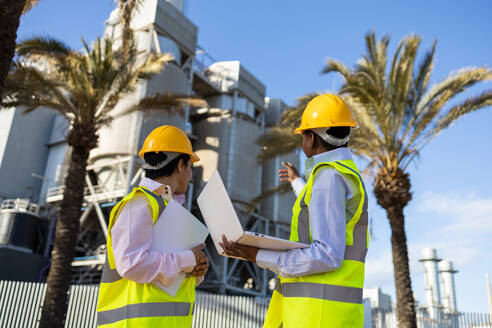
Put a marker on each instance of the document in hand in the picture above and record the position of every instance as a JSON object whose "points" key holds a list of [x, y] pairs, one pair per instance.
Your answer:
{"points": [[176, 230]]}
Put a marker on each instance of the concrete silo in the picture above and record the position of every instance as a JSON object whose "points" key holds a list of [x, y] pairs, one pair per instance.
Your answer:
{"points": [[159, 26], [226, 139], [278, 207], [24, 152]]}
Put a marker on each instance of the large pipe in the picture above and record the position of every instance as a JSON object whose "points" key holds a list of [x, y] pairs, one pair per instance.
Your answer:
{"points": [[432, 292], [447, 272], [489, 292]]}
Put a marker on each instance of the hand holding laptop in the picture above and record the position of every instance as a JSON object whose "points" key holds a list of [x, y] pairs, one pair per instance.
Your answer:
{"points": [[236, 250], [222, 220]]}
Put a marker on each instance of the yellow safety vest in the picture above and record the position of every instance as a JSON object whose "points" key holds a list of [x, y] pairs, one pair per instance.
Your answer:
{"points": [[124, 303], [330, 299]]}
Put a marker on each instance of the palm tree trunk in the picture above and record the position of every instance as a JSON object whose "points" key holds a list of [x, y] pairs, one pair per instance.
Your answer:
{"points": [[82, 138], [405, 303], [10, 12], [392, 191]]}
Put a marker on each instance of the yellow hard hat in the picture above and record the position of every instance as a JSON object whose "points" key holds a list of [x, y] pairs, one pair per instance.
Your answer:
{"points": [[168, 138], [326, 111]]}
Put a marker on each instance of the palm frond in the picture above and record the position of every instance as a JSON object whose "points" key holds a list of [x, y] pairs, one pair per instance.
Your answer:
{"points": [[29, 5], [278, 190], [153, 65], [455, 83], [277, 141], [291, 116], [397, 111], [338, 67], [26, 85], [166, 102], [440, 95], [43, 46], [457, 111]]}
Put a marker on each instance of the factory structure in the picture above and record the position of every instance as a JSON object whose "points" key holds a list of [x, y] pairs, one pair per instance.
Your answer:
{"points": [[440, 308], [34, 157]]}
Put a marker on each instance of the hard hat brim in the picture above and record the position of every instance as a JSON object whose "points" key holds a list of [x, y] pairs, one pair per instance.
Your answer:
{"points": [[194, 157], [301, 129]]}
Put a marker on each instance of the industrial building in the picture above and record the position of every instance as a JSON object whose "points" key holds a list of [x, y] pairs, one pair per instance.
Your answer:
{"points": [[224, 136], [440, 308]]}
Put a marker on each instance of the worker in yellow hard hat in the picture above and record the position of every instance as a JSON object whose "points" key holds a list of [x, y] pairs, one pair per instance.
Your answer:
{"points": [[320, 286], [127, 297]]}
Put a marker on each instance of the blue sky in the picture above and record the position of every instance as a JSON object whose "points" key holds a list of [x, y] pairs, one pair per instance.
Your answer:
{"points": [[285, 44]]}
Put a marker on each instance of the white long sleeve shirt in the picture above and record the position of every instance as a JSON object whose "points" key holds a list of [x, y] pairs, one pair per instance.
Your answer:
{"points": [[131, 238], [334, 201]]}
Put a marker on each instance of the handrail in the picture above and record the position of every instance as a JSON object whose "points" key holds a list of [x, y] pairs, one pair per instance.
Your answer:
{"points": [[20, 205]]}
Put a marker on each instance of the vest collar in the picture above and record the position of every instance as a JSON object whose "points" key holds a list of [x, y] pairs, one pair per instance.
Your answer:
{"points": [[339, 154], [149, 184], [153, 185]]}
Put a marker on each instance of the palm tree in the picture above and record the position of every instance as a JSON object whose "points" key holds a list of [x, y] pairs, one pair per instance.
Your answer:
{"points": [[10, 13], [84, 87], [399, 113]]}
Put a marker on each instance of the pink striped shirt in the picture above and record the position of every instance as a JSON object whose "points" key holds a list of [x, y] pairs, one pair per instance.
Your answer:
{"points": [[131, 238]]}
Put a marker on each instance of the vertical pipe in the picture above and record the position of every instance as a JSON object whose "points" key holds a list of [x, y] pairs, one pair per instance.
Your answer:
{"points": [[232, 143], [51, 233], [432, 293], [276, 196], [264, 284], [447, 272], [131, 168], [489, 293], [260, 167], [189, 195], [230, 174]]}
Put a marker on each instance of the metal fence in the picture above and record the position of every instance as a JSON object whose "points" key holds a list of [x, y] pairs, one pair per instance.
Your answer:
{"points": [[20, 307], [387, 319]]}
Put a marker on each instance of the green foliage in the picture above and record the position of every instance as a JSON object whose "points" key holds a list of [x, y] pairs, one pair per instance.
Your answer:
{"points": [[85, 86], [397, 111], [29, 5]]}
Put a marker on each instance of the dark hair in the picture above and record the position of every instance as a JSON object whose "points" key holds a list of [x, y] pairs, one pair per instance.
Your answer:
{"points": [[154, 158], [339, 132]]}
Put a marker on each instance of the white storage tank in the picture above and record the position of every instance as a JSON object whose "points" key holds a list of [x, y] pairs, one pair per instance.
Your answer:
{"points": [[277, 207]]}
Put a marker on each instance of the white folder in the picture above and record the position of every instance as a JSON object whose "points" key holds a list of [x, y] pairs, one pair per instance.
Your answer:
{"points": [[176, 230]]}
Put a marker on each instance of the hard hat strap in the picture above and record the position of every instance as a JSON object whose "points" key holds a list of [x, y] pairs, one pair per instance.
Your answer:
{"points": [[170, 157], [331, 139]]}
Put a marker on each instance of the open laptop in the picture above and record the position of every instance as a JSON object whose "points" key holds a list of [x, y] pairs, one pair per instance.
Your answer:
{"points": [[221, 218]]}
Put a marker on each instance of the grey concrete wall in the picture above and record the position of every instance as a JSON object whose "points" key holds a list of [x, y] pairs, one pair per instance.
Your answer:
{"points": [[6, 119], [277, 207], [24, 153], [213, 148]]}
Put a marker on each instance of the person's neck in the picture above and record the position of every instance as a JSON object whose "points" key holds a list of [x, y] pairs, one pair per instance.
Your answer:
{"points": [[168, 181], [321, 150]]}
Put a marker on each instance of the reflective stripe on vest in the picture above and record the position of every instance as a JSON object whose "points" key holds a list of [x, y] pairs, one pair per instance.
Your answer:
{"points": [[358, 251], [321, 291], [109, 275], [132, 311], [160, 201]]}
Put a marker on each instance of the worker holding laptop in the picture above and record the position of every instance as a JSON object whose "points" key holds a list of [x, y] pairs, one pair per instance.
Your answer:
{"points": [[321, 285], [128, 294]]}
